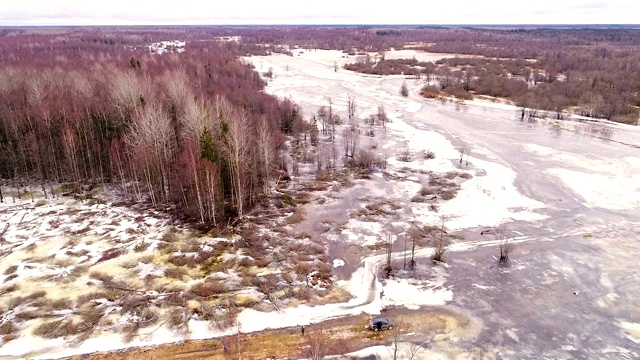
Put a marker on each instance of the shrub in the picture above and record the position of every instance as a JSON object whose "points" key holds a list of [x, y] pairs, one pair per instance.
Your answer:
{"points": [[303, 293], [302, 269], [430, 91], [287, 199], [458, 91], [365, 159], [404, 91], [430, 155]]}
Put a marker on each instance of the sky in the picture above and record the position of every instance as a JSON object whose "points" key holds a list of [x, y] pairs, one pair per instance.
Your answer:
{"points": [[240, 12]]}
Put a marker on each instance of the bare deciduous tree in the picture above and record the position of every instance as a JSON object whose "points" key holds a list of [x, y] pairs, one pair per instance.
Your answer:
{"points": [[150, 140], [237, 139], [382, 117], [436, 236], [396, 341], [351, 101], [266, 151], [323, 115], [388, 240], [405, 156], [439, 244], [350, 138], [504, 245]]}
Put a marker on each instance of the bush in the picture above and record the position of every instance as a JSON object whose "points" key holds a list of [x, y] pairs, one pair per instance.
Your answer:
{"points": [[302, 269], [458, 91], [287, 199], [404, 91], [430, 155], [430, 91]]}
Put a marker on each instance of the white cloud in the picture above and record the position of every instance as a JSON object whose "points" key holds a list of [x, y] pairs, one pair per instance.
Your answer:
{"points": [[115, 12]]}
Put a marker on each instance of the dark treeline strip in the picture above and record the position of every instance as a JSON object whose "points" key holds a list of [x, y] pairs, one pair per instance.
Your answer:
{"points": [[191, 129]]}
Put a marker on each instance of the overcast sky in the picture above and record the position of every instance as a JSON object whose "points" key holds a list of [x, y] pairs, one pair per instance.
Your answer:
{"points": [[226, 12]]}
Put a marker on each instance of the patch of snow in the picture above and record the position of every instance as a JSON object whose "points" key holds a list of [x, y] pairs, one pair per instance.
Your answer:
{"points": [[630, 330], [413, 294], [167, 46], [483, 287], [618, 192], [237, 255], [512, 334], [146, 269], [338, 263]]}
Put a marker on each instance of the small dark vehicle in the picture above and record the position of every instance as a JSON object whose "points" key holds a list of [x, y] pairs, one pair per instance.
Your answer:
{"points": [[380, 323]]}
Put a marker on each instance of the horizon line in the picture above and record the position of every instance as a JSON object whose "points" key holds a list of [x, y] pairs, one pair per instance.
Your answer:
{"points": [[586, 25]]}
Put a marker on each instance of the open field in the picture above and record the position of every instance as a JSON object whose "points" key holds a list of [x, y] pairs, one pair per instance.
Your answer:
{"points": [[564, 192]]}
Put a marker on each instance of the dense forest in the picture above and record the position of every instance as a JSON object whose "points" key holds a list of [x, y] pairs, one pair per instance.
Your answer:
{"points": [[189, 130]]}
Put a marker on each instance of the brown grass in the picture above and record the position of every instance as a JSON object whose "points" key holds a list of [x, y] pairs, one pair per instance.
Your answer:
{"points": [[296, 217], [55, 329], [176, 272], [83, 299], [448, 194], [8, 289], [208, 288], [105, 278], [110, 254], [302, 269], [60, 304], [141, 246], [35, 296], [6, 328], [11, 270]]}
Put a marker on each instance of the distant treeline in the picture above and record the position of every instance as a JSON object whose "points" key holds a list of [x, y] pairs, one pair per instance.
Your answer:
{"points": [[189, 130]]}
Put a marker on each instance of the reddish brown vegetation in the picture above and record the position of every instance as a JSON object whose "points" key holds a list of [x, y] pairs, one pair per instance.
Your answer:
{"points": [[85, 106]]}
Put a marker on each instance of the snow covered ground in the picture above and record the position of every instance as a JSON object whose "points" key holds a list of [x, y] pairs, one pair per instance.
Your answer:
{"points": [[167, 46], [551, 181]]}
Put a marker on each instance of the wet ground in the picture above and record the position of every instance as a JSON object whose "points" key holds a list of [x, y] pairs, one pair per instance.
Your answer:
{"points": [[570, 286], [565, 294]]}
